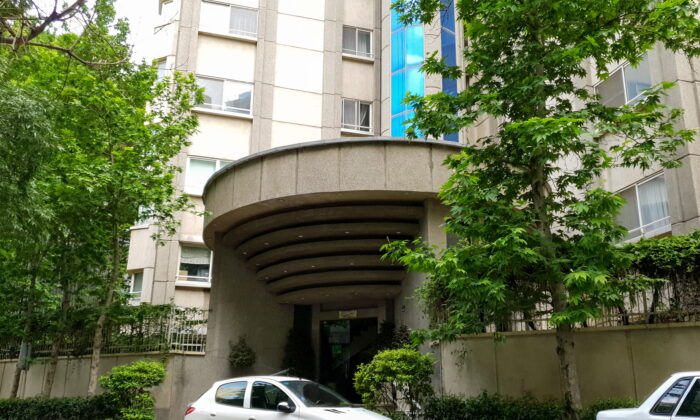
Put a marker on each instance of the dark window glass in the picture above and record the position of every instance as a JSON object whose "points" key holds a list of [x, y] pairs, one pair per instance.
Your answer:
{"points": [[668, 402], [265, 396], [231, 394], [691, 404]]}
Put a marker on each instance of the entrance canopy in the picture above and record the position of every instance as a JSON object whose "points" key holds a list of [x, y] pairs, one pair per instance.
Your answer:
{"points": [[309, 219]]}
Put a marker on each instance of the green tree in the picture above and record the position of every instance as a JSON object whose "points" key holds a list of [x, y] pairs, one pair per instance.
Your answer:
{"points": [[533, 224], [117, 132]]}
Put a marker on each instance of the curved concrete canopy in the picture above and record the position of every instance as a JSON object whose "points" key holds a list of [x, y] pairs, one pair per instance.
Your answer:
{"points": [[309, 219]]}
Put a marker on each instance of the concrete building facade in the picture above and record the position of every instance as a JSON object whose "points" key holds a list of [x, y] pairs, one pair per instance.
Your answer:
{"points": [[301, 166]]}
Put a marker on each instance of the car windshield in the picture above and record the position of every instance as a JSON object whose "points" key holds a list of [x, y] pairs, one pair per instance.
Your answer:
{"points": [[316, 395]]}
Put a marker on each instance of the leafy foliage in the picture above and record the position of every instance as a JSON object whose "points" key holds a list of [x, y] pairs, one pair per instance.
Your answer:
{"points": [[590, 412], [127, 386], [535, 228], [241, 355], [394, 379], [75, 408]]}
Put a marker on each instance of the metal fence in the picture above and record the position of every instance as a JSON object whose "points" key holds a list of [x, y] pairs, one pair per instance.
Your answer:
{"points": [[675, 301], [179, 330]]}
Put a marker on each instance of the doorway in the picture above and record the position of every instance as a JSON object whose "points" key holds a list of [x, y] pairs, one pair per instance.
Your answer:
{"points": [[345, 344]]}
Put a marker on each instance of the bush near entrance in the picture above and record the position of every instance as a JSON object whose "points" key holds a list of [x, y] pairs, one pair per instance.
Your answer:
{"points": [[394, 380]]}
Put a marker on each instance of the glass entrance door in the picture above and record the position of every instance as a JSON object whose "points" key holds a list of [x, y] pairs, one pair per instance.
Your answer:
{"points": [[345, 344]]}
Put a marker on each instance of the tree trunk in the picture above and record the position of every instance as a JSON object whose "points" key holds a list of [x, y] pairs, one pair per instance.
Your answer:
{"points": [[21, 362], [566, 351], [56, 346], [99, 327]]}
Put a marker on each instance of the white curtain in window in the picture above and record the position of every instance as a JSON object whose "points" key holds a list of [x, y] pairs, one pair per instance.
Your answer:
{"points": [[137, 283], [653, 201], [637, 78], [194, 256], [243, 21], [213, 92], [349, 112], [364, 46]]}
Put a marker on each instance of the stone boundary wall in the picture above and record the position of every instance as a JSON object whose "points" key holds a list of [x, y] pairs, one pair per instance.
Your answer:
{"points": [[183, 384], [612, 362]]}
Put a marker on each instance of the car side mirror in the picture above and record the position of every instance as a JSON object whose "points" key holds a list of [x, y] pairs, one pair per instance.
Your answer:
{"points": [[285, 407]]}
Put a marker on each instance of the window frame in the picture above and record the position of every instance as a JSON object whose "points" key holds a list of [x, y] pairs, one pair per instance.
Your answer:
{"points": [[248, 36], [218, 164], [643, 233], [621, 68], [653, 410], [133, 298], [695, 382], [221, 109], [279, 387], [185, 279], [245, 392], [356, 53], [355, 127]]}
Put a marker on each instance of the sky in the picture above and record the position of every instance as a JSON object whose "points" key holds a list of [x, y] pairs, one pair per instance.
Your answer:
{"points": [[142, 16]]}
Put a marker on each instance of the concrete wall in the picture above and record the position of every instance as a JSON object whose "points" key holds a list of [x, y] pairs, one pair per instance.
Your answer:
{"points": [[187, 378], [612, 362]]}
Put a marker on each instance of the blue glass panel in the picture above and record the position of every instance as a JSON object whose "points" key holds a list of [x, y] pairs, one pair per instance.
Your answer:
{"points": [[397, 127], [449, 86], [414, 46], [447, 46], [398, 92], [398, 50], [415, 82], [395, 24], [452, 137], [447, 15]]}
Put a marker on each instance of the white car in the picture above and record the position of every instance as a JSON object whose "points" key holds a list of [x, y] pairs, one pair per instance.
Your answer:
{"points": [[677, 398], [271, 398]]}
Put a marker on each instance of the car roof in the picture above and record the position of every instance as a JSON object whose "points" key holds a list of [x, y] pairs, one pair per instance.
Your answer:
{"points": [[688, 373], [261, 378]]}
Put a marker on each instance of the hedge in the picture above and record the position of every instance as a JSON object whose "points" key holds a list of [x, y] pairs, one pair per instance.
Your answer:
{"points": [[497, 407], [76, 408]]}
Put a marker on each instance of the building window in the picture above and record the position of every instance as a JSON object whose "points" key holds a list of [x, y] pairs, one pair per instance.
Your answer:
{"points": [[645, 213], [226, 95], [195, 264], [625, 85], [135, 287], [162, 69], [228, 19], [357, 115], [357, 42], [198, 172], [162, 5]]}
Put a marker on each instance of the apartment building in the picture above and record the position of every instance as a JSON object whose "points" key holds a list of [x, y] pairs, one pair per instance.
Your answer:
{"points": [[301, 165]]}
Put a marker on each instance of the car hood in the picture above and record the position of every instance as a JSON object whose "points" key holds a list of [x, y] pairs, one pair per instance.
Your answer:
{"points": [[620, 413], [340, 413]]}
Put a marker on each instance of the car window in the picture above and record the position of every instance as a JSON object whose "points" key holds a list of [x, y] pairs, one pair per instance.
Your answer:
{"points": [[231, 393], [265, 396], [667, 403], [691, 404], [316, 395]]}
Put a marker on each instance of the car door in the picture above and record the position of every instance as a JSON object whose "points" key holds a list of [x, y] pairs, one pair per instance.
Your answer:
{"points": [[264, 397], [228, 402], [689, 408]]}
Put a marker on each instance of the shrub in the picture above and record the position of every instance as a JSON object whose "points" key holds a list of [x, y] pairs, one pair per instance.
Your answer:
{"points": [[497, 407], [241, 355], [393, 375], [448, 407], [77, 408], [127, 385], [590, 412]]}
